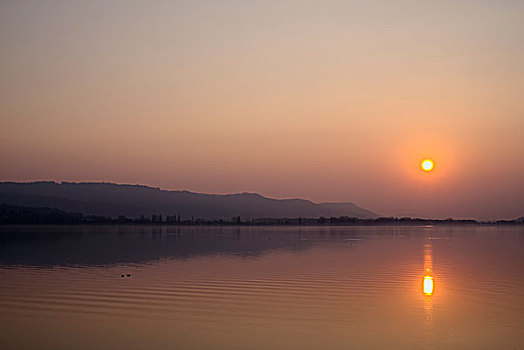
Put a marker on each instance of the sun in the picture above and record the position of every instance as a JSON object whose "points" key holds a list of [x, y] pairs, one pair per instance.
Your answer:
{"points": [[427, 165]]}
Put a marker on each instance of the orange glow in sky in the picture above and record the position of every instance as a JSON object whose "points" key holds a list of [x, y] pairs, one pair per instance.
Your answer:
{"points": [[262, 96]]}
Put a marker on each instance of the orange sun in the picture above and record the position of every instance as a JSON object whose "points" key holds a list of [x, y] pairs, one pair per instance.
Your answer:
{"points": [[427, 165]]}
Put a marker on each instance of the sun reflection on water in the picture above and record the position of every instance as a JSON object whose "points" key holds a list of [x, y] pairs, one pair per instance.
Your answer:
{"points": [[428, 280], [428, 285], [427, 290]]}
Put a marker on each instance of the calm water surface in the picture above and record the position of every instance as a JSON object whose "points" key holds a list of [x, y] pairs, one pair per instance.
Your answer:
{"points": [[262, 287]]}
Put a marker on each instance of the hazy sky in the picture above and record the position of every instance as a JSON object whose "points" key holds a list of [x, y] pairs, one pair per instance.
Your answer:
{"points": [[324, 100]]}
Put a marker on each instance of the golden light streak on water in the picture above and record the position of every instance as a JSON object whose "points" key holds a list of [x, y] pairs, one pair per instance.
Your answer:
{"points": [[427, 290], [428, 285], [428, 280]]}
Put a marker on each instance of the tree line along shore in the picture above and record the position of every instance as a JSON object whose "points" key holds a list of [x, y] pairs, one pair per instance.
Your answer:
{"points": [[17, 215]]}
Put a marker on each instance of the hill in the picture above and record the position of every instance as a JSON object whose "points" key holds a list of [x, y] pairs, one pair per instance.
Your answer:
{"points": [[109, 199]]}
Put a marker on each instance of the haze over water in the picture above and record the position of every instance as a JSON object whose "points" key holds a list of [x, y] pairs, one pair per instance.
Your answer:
{"points": [[261, 287]]}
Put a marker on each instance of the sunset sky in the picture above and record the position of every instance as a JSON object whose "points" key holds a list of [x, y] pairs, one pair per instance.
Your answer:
{"points": [[322, 100]]}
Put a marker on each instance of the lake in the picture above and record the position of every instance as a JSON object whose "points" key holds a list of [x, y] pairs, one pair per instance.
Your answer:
{"points": [[381, 287]]}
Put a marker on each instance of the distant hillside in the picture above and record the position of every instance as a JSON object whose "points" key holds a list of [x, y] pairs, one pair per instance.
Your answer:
{"points": [[41, 216], [110, 199]]}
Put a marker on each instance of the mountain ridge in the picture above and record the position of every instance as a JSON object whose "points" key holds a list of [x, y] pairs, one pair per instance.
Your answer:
{"points": [[134, 200]]}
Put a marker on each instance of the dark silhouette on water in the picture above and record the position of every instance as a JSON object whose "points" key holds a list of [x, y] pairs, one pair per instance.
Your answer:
{"points": [[84, 245]]}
